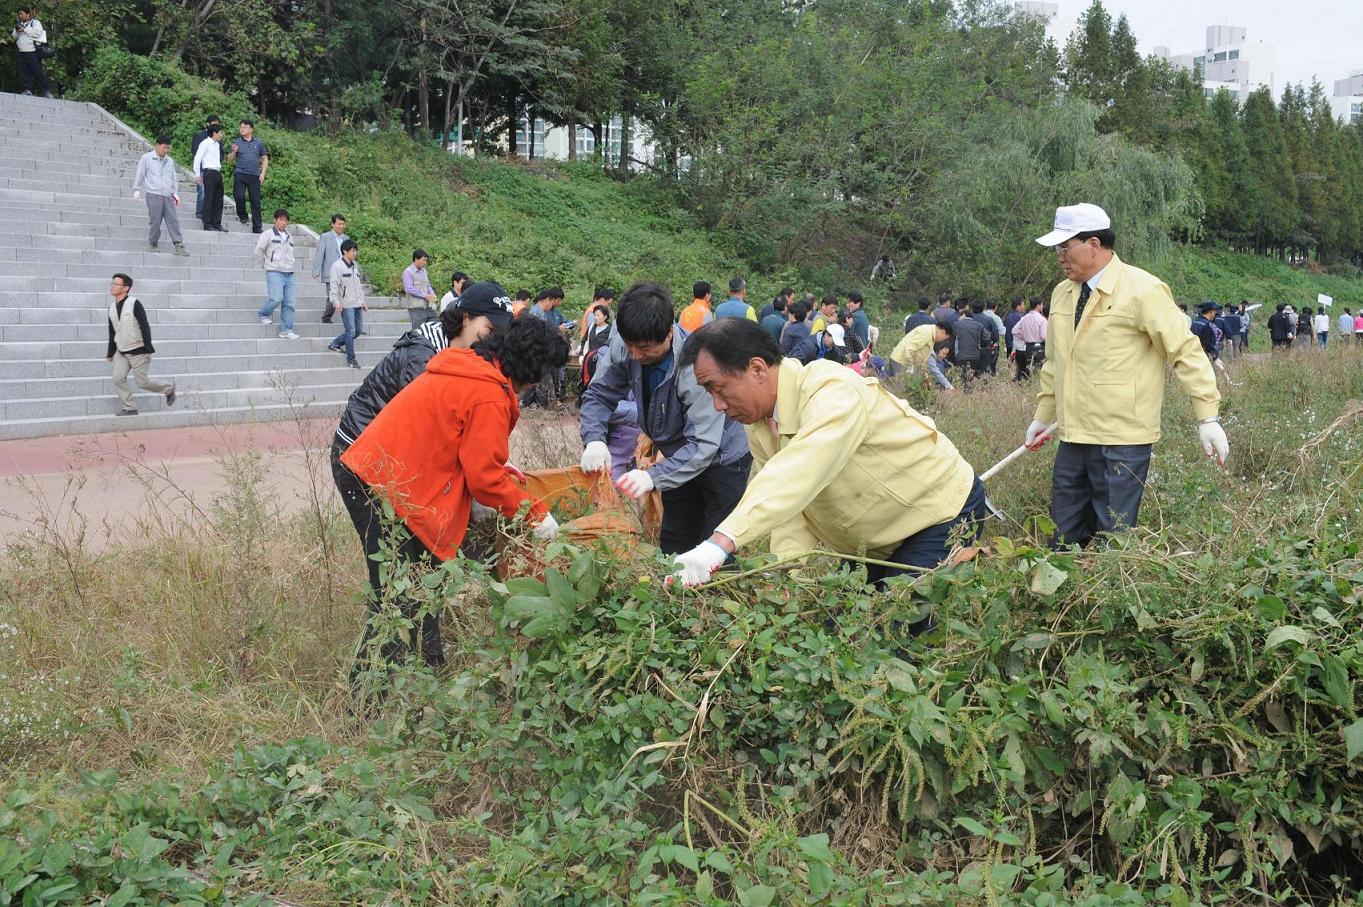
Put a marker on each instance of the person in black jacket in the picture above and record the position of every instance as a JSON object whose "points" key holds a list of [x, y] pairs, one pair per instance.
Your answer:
{"points": [[830, 344], [968, 347], [921, 317], [1281, 328], [989, 345]]}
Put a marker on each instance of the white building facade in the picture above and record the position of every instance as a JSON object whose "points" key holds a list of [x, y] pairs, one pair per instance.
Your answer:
{"points": [[1347, 103], [1231, 61]]}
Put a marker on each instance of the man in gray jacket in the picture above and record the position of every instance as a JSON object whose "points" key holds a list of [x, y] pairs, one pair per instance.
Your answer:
{"points": [[157, 178], [328, 251], [274, 252], [706, 470]]}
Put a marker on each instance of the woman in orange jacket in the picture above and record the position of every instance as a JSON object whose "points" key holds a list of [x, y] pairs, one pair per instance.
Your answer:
{"points": [[443, 442]]}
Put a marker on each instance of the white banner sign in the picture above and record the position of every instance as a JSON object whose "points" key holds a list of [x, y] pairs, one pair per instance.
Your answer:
{"points": [[1324, 300]]}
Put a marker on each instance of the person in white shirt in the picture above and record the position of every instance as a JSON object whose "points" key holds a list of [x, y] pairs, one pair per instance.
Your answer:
{"points": [[208, 173], [29, 36], [1321, 325], [458, 281]]}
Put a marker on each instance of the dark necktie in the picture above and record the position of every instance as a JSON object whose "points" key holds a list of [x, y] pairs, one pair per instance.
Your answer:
{"points": [[1084, 292]]}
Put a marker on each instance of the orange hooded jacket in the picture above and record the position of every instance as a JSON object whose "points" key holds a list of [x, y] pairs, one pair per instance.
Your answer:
{"points": [[440, 443]]}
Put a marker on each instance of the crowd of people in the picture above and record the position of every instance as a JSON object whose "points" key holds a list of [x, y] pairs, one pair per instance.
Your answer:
{"points": [[762, 422]]}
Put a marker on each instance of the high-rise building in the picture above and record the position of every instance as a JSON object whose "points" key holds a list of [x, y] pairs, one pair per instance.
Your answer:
{"points": [[1347, 103], [1046, 12], [1230, 60]]}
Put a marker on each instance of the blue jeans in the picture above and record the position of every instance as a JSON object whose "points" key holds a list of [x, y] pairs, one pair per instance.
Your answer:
{"points": [[353, 320], [279, 287], [1323, 336], [199, 201]]}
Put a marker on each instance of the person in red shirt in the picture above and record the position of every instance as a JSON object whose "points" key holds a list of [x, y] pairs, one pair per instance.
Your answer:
{"points": [[438, 446]]}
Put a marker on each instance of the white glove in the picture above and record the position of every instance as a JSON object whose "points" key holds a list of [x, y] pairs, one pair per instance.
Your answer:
{"points": [[546, 530], [596, 457], [1038, 433], [700, 563], [1214, 442], [137, 196], [636, 483]]}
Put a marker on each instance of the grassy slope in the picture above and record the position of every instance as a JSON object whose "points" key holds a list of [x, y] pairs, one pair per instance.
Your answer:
{"points": [[1226, 276]]}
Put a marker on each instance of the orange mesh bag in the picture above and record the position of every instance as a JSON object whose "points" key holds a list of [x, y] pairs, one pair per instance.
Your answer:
{"points": [[595, 514], [647, 454]]}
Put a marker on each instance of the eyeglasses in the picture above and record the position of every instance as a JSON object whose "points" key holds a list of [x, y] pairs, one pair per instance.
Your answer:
{"points": [[1069, 245]]}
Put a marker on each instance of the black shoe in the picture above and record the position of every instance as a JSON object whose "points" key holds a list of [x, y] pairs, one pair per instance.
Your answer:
{"points": [[242, 219], [170, 397], [336, 349], [127, 412], [256, 230], [353, 364], [326, 321]]}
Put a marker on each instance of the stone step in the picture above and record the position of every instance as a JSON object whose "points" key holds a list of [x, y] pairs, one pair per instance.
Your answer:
{"points": [[236, 247], [175, 315], [246, 284], [164, 265], [226, 398], [49, 180], [100, 385], [304, 358], [179, 417], [266, 343], [126, 220], [165, 332], [254, 297]]}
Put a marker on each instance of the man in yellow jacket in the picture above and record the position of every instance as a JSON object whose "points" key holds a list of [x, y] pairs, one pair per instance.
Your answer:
{"points": [[1113, 330], [841, 464]]}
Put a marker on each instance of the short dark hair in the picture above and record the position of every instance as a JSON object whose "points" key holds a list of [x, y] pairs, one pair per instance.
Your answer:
{"points": [[779, 304], [924, 303], [213, 118], [603, 293], [163, 139], [1037, 301], [732, 343], [457, 276], [1106, 238], [830, 299], [944, 297], [419, 253], [991, 305], [798, 310], [281, 212], [524, 295], [786, 292], [1282, 307], [700, 289], [961, 303], [214, 128], [645, 314], [336, 217], [525, 351], [248, 122], [854, 296], [550, 293], [736, 284], [946, 326], [29, 10], [603, 308], [977, 307], [127, 281], [348, 245]]}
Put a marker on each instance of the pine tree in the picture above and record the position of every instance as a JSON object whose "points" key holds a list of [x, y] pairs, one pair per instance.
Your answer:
{"points": [[1271, 211]]}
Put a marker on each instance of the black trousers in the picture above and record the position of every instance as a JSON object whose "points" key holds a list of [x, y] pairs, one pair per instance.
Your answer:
{"points": [[931, 546], [367, 515], [691, 512], [1096, 488], [243, 185], [1030, 355], [31, 73], [331, 306], [212, 216]]}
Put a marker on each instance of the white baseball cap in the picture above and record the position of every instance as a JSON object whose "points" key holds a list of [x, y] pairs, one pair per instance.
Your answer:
{"points": [[838, 333], [1072, 220]]}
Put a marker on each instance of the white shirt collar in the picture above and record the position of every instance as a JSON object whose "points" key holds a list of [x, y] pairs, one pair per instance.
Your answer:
{"points": [[1093, 281]]}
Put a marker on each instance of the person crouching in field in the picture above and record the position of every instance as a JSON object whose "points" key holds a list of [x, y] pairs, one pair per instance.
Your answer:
{"points": [[435, 448]]}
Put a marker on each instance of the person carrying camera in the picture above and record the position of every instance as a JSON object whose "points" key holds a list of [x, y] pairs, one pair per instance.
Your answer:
{"points": [[29, 37]]}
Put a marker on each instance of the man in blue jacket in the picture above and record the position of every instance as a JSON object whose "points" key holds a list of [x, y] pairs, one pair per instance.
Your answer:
{"points": [[707, 461]]}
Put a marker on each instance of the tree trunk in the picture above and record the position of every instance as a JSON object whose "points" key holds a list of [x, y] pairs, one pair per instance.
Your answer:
{"points": [[625, 140], [512, 116], [423, 88], [450, 89], [529, 135], [572, 140], [599, 143]]}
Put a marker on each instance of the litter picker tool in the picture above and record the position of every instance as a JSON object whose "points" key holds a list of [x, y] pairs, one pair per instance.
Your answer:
{"points": [[993, 470]]}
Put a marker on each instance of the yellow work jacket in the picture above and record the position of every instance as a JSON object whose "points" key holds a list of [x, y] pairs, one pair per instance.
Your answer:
{"points": [[913, 351], [847, 467], [1104, 382]]}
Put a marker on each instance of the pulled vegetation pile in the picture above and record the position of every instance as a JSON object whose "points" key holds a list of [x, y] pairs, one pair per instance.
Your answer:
{"points": [[1171, 719]]}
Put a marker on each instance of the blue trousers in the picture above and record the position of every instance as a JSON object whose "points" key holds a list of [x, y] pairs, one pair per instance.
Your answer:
{"points": [[929, 547], [1096, 488], [279, 286], [353, 321]]}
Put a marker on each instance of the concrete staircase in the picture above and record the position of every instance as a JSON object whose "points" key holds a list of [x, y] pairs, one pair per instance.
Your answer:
{"points": [[68, 222]]}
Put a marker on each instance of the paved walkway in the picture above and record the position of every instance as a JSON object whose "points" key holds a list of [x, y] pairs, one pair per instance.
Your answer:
{"points": [[97, 484]]}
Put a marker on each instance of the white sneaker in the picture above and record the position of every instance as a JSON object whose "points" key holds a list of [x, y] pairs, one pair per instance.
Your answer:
{"points": [[288, 335], [265, 320]]}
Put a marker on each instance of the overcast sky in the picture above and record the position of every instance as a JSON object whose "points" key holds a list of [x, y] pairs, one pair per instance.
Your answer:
{"points": [[1320, 38]]}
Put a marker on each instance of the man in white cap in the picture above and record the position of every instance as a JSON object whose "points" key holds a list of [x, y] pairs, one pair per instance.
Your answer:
{"points": [[1112, 331]]}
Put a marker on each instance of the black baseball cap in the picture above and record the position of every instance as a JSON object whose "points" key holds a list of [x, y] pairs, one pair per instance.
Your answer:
{"points": [[487, 298], [1207, 306]]}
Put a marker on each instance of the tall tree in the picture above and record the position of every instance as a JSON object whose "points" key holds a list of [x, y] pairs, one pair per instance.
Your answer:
{"points": [[1271, 211]]}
